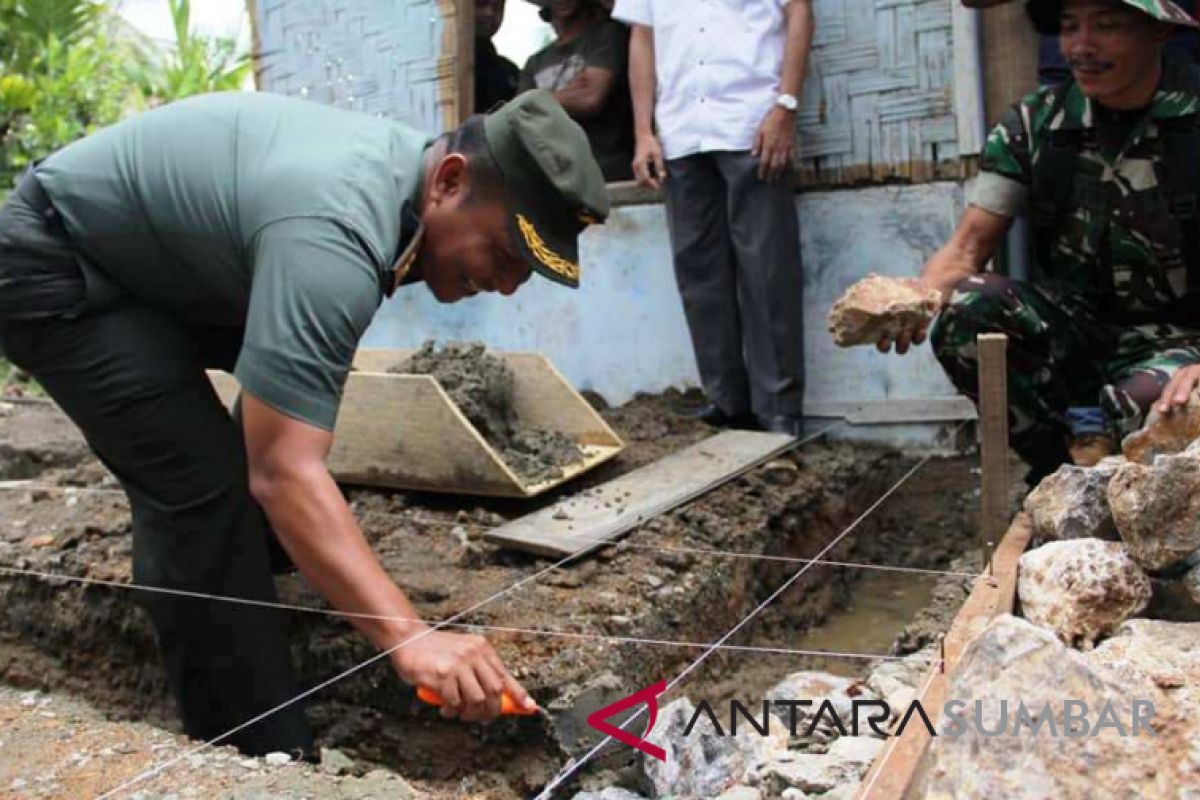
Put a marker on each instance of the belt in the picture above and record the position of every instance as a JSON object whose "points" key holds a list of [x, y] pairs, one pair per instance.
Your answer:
{"points": [[31, 191]]}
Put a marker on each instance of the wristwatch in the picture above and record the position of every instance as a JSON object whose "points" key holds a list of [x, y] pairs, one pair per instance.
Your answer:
{"points": [[787, 102]]}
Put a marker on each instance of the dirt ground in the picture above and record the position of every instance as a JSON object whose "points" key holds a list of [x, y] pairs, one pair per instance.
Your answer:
{"points": [[94, 644]]}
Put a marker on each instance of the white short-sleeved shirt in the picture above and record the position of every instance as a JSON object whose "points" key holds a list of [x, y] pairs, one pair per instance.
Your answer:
{"points": [[718, 64]]}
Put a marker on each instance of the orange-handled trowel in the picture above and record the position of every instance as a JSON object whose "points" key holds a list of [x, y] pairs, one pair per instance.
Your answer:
{"points": [[508, 706]]}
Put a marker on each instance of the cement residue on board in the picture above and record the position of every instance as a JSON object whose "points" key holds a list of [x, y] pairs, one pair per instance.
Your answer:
{"points": [[481, 385]]}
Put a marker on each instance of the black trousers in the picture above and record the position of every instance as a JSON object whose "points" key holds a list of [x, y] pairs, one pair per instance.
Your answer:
{"points": [[132, 378], [736, 243]]}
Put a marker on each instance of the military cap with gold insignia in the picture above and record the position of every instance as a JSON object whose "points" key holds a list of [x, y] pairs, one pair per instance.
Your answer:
{"points": [[555, 186]]}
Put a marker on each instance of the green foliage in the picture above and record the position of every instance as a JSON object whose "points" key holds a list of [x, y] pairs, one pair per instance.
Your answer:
{"points": [[70, 67], [71, 91], [196, 64]]}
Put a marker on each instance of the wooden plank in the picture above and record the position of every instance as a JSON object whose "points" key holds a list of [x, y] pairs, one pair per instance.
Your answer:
{"points": [[896, 771], [629, 193], [601, 514], [993, 432], [255, 43], [1010, 57], [541, 395], [456, 57], [952, 408], [968, 78]]}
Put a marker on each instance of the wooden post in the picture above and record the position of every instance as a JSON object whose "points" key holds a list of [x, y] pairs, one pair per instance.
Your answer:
{"points": [[1010, 58], [993, 434]]}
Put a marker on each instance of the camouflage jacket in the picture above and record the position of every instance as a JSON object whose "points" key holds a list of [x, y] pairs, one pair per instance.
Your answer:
{"points": [[1119, 212]]}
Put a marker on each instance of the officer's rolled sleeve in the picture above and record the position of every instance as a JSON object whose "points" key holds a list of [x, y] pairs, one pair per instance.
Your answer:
{"points": [[998, 194], [634, 12], [315, 290]]}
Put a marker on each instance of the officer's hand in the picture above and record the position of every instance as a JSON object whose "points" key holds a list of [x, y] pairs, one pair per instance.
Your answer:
{"points": [[1177, 391], [916, 336], [649, 165], [464, 670], [774, 143], [903, 341]]}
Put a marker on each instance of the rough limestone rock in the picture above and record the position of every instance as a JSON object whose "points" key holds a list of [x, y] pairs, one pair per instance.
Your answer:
{"points": [[843, 766], [1191, 584], [898, 680], [1017, 662], [1166, 654], [611, 793], [1164, 434], [1073, 504], [878, 306], [1157, 508], [1081, 589], [705, 763], [819, 686], [741, 792]]}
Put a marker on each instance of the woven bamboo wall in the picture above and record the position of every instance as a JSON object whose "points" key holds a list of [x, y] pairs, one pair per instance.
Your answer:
{"points": [[878, 105], [397, 58], [879, 100]]}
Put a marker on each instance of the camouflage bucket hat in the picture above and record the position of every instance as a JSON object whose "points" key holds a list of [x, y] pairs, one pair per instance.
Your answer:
{"points": [[1044, 13]]}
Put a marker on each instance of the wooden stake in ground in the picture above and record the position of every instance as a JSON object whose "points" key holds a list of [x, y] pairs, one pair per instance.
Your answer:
{"points": [[993, 434]]}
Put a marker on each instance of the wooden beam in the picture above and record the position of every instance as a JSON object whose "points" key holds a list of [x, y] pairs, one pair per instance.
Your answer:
{"points": [[901, 410], [896, 771], [993, 432], [255, 43], [456, 62], [601, 514], [1010, 58], [967, 45]]}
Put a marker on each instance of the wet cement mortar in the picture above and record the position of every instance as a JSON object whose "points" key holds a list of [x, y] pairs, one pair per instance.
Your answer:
{"points": [[94, 644], [481, 385]]}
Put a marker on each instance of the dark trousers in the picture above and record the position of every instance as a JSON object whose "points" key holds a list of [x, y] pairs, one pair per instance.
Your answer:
{"points": [[132, 378], [736, 243]]}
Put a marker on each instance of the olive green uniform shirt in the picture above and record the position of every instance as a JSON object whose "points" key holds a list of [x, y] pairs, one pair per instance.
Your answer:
{"points": [[248, 210]]}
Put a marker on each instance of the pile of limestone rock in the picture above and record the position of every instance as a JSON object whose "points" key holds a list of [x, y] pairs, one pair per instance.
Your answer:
{"points": [[1112, 539], [1108, 597], [817, 752], [1093, 690]]}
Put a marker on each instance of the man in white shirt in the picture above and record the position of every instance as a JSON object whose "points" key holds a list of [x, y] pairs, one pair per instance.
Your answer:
{"points": [[719, 80]]}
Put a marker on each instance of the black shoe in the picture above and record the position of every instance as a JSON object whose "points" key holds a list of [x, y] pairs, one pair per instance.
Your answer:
{"points": [[711, 414], [792, 426]]}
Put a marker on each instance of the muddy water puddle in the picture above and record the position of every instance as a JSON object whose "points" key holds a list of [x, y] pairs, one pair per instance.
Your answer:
{"points": [[881, 605]]}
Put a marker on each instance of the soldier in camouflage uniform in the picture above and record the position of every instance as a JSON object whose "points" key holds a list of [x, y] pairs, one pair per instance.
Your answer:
{"points": [[1108, 326]]}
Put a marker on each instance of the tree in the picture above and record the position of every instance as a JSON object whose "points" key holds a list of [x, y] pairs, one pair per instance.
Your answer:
{"points": [[70, 67]]}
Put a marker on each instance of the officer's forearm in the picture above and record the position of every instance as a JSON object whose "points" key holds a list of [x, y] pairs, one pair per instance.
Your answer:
{"points": [[642, 81], [315, 526], [971, 246]]}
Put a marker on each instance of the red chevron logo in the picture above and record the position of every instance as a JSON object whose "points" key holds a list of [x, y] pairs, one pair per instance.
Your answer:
{"points": [[649, 696]]}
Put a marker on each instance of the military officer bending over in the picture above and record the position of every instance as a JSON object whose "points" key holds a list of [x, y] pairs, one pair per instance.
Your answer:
{"points": [[259, 234]]}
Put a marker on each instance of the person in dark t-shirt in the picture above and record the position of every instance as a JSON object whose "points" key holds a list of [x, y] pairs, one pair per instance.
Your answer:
{"points": [[496, 77], [587, 69]]}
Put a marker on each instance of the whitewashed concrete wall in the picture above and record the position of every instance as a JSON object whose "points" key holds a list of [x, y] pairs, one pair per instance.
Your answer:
{"points": [[623, 332]]}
